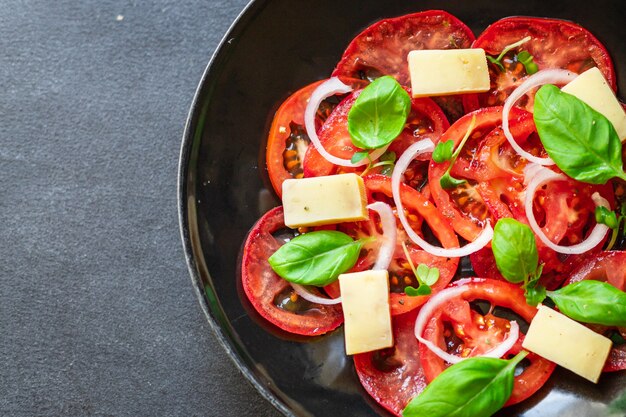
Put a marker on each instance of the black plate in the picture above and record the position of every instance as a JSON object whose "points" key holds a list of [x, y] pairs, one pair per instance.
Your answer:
{"points": [[274, 48]]}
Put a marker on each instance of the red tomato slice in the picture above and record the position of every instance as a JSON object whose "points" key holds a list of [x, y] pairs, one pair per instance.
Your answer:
{"points": [[270, 295], [607, 267], [382, 49], [287, 140], [420, 212], [393, 376], [554, 44], [425, 120], [463, 331], [496, 189]]}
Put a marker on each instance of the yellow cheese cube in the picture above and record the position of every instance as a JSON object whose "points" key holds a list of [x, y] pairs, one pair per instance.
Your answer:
{"points": [[324, 200], [567, 343], [592, 88], [450, 71], [365, 302]]}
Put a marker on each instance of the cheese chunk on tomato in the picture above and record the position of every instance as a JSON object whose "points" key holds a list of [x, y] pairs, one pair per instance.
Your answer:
{"points": [[592, 88], [367, 318], [324, 200], [450, 71], [568, 343]]}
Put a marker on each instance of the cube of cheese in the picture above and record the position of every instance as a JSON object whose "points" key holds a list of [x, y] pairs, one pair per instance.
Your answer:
{"points": [[365, 302], [324, 200], [568, 343], [592, 88], [450, 71]]}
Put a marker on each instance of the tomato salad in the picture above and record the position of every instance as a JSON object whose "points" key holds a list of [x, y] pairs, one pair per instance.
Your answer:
{"points": [[524, 180]]}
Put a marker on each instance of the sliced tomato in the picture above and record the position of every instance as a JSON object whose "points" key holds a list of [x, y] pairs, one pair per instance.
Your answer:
{"points": [[461, 329], [393, 376], [607, 267], [495, 189], [270, 295], [554, 43], [423, 216], [287, 140], [382, 49], [425, 120]]}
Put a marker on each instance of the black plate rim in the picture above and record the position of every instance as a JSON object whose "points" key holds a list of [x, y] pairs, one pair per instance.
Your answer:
{"points": [[227, 343]]}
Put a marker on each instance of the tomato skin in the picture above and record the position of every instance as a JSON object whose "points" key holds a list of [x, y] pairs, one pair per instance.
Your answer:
{"points": [[607, 267], [497, 293], [284, 159], [555, 44], [393, 376], [382, 48], [261, 284], [426, 119]]}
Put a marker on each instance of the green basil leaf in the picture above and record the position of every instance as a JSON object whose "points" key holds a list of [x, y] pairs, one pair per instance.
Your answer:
{"points": [[315, 258], [359, 156], [379, 113], [496, 62], [475, 387], [515, 250], [535, 294], [443, 151], [581, 141], [607, 217], [428, 276], [526, 59], [592, 301]]}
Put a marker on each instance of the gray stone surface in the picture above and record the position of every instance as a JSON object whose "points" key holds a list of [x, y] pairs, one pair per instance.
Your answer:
{"points": [[97, 312]]}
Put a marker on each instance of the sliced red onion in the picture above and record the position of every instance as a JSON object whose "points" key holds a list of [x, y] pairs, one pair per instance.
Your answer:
{"points": [[388, 223], [547, 76], [440, 298], [426, 145], [309, 296], [537, 178], [327, 89]]}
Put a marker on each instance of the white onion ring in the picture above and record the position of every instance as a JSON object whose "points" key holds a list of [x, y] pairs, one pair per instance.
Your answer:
{"points": [[426, 145], [304, 293], [547, 76], [537, 178], [327, 89], [440, 298], [388, 223]]}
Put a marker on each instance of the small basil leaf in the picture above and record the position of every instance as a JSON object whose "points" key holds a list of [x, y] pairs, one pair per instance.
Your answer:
{"points": [[411, 291], [315, 258], [359, 156], [526, 59], [515, 250], [379, 113], [535, 294], [581, 141], [592, 301], [443, 151], [448, 182], [424, 290], [607, 217], [475, 387], [432, 277], [496, 62]]}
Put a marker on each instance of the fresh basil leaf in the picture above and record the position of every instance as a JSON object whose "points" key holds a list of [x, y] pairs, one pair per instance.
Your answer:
{"points": [[448, 182], [515, 250], [496, 62], [359, 156], [379, 113], [592, 301], [423, 289], [535, 294], [475, 387], [607, 217], [315, 258], [443, 151], [582, 142]]}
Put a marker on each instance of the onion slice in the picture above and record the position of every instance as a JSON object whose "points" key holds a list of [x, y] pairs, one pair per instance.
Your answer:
{"points": [[537, 178], [388, 223], [302, 291], [548, 76], [327, 89], [436, 301], [426, 145]]}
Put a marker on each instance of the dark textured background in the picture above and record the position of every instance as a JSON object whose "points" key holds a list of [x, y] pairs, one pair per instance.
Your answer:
{"points": [[97, 312]]}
